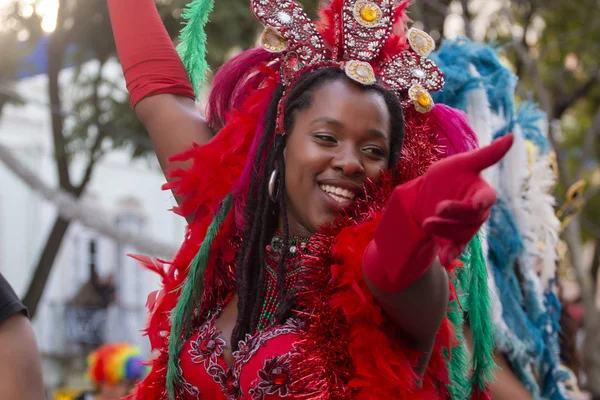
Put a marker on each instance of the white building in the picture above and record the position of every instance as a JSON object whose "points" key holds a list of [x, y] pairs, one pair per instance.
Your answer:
{"points": [[128, 193]]}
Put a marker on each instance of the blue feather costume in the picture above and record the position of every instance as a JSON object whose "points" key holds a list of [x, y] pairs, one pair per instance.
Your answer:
{"points": [[528, 332]]}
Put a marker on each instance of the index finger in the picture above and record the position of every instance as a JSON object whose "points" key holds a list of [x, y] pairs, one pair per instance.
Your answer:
{"points": [[480, 159]]}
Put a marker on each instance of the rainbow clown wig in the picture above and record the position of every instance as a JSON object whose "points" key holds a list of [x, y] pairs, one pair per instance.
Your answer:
{"points": [[115, 363]]}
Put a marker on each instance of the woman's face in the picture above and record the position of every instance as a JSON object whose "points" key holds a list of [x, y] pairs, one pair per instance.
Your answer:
{"points": [[338, 142]]}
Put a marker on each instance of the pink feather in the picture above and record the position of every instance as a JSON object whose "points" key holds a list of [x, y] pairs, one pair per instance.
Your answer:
{"points": [[451, 129]]}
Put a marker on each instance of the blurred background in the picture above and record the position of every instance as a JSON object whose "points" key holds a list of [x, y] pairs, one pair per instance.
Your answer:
{"points": [[80, 187]]}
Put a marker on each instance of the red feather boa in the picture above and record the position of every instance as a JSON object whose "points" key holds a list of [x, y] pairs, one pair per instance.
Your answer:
{"points": [[348, 349], [216, 168]]}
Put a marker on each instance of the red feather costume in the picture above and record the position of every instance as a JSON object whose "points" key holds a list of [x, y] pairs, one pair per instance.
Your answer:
{"points": [[347, 348], [342, 309]]}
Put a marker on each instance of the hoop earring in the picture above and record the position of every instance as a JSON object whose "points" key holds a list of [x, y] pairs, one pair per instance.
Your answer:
{"points": [[273, 191]]}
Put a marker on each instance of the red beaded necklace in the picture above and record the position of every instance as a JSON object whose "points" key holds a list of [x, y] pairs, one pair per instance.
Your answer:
{"points": [[293, 268]]}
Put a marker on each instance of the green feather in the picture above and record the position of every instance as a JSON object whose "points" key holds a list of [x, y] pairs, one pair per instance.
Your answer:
{"points": [[190, 297], [471, 287], [459, 367], [479, 308], [458, 364], [192, 41]]}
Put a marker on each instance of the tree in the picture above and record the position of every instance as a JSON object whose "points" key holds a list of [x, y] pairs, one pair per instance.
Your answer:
{"points": [[432, 14], [82, 133], [100, 116], [13, 52]]}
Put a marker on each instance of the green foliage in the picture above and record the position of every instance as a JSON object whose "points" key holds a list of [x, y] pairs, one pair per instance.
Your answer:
{"points": [[562, 40], [14, 50]]}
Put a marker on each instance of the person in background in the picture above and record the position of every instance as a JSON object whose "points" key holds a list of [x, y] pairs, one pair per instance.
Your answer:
{"points": [[20, 362], [114, 370]]}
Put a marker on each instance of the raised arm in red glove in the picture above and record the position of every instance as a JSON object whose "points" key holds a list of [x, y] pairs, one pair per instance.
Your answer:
{"points": [[158, 84], [150, 63], [437, 213]]}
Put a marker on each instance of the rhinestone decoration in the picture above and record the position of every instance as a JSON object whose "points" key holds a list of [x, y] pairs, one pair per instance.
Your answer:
{"points": [[362, 27], [415, 74], [363, 39], [360, 71], [420, 42], [272, 41], [418, 73], [293, 25], [284, 17], [421, 98], [367, 14]]}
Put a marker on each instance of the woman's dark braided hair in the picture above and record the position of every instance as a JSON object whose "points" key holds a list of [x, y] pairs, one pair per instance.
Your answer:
{"points": [[262, 213]]}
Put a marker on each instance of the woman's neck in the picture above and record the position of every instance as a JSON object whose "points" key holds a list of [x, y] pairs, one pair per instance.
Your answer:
{"points": [[296, 229]]}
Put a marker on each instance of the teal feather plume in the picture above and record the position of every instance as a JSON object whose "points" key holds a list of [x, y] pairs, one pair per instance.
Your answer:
{"points": [[192, 41], [190, 296], [479, 306]]}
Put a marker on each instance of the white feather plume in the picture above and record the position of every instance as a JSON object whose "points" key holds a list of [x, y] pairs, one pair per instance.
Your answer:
{"points": [[544, 225]]}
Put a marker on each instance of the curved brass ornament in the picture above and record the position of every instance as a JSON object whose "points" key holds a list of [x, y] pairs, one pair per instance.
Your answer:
{"points": [[575, 191], [272, 41], [573, 204], [360, 71]]}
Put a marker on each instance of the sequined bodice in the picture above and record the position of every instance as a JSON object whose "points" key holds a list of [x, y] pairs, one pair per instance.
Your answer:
{"points": [[260, 369]]}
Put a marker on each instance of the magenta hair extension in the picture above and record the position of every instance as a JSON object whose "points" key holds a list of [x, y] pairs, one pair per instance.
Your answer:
{"points": [[232, 83], [452, 130], [243, 184]]}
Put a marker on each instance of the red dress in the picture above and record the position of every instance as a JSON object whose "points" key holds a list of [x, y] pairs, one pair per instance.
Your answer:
{"points": [[260, 369], [340, 346]]}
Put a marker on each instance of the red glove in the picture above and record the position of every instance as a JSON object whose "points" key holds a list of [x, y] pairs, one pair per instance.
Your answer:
{"points": [[439, 212], [150, 63]]}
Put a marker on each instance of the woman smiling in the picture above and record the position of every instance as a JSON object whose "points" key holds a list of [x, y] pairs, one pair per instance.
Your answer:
{"points": [[323, 214]]}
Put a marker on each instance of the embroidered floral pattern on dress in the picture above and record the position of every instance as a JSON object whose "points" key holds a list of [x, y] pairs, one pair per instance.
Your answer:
{"points": [[273, 378], [187, 387], [252, 343], [207, 348], [208, 345]]}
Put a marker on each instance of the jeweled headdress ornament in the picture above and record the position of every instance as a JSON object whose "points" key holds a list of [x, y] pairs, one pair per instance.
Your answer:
{"points": [[362, 30]]}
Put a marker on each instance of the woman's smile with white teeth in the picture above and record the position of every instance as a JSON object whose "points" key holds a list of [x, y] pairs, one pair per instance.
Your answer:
{"points": [[339, 194]]}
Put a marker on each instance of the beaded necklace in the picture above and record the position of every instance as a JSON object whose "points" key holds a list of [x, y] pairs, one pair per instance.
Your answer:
{"points": [[293, 267]]}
